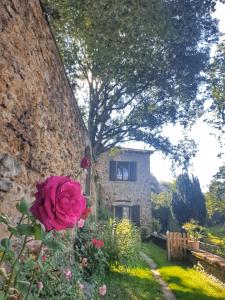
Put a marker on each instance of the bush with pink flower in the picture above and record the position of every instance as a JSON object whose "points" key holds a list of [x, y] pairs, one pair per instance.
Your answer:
{"points": [[46, 263], [88, 250]]}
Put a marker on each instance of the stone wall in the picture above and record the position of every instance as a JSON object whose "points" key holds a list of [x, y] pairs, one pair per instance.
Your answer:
{"points": [[134, 192], [41, 129]]}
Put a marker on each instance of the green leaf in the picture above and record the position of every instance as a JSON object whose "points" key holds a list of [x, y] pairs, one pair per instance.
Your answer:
{"points": [[23, 286], [40, 265], [23, 207], [38, 232], [5, 243], [4, 219], [32, 218], [25, 229], [14, 231], [52, 244]]}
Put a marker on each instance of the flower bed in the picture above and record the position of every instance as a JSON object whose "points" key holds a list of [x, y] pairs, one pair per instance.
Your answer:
{"points": [[53, 250], [57, 249]]}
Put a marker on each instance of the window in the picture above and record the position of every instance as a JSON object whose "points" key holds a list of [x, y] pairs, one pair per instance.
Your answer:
{"points": [[131, 213], [122, 171], [122, 212]]}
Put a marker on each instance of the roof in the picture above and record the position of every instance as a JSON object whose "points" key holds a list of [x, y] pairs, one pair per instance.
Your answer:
{"points": [[136, 150]]}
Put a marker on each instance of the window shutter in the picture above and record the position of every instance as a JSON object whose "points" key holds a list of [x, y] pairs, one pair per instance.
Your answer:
{"points": [[118, 212], [135, 214], [112, 170], [133, 171]]}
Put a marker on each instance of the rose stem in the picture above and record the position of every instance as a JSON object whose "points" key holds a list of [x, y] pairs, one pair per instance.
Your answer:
{"points": [[4, 253], [13, 267], [32, 278]]}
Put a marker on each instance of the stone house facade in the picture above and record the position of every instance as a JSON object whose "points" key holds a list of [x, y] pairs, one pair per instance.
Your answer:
{"points": [[125, 181]]}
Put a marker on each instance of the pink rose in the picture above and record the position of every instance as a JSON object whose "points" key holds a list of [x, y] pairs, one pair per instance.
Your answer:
{"points": [[97, 243], [40, 285], [44, 258], [102, 290], [81, 286], [86, 213], [80, 223], [85, 163], [59, 203], [68, 274]]}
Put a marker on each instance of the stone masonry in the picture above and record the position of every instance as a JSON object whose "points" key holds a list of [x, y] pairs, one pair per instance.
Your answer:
{"points": [[136, 192], [41, 130]]}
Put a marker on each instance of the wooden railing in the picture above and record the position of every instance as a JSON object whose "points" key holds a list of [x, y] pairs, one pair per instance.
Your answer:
{"points": [[177, 245]]}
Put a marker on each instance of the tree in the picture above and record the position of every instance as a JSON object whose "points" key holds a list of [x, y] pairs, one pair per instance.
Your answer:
{"points": [[161, 206], [142, 62], [217, 80], [215, 197], [216, 94], [188, 201]]}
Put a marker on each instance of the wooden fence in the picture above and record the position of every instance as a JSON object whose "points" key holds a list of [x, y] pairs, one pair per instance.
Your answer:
{"points": [[177, 244]]}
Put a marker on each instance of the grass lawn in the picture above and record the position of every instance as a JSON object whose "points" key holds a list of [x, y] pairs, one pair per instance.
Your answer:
{"points": [[186, 283], [216, 234], [133, 283]]}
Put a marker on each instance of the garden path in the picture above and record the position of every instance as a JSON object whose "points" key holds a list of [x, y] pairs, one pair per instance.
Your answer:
{"points": [[168, 294]]}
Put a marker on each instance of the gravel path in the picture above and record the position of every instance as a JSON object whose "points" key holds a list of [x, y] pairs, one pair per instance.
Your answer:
{"points": [[165, 289]]}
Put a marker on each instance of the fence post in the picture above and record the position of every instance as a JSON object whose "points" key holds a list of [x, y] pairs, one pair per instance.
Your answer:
{"points": [[168, 245]]}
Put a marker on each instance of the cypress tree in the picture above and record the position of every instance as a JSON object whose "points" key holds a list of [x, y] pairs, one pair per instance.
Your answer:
{"points": [[188, 201]]}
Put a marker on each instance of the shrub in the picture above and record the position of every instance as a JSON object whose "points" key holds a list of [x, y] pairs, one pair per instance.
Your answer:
{"points": [[92, 258], [195, 231], [122, 241], [154, 226]]}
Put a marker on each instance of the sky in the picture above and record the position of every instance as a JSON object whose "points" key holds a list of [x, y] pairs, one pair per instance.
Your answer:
{"points": [[206, 163]]}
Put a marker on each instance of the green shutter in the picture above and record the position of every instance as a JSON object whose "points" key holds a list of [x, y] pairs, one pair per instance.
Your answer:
{"points": [[135, 214], [133, 171], [118, 212], [112, 170]]}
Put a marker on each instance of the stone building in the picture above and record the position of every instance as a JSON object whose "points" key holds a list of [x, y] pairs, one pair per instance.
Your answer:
{"points": [[41, 129], [126, 180]]}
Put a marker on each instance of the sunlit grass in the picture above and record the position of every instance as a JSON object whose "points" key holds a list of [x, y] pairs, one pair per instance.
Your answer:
{"points": [[216, 234], [187, 283], [132, 283]]}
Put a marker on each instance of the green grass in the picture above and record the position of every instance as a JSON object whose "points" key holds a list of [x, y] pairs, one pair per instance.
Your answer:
{"points": [[133, 283], [186, 283], [216, 234]]}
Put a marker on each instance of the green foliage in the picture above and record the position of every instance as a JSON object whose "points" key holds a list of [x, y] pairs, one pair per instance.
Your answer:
{"points": [[188, 201], [4, 219], [139, 62], [221, 249], [52, 272], [23, 207], [26, 228], [24, 272], [217, 92], [156, 225], [161, 206], [148, 229], [195, 231], [104, 213], [84, 249], [122, 241], [215, 198]]}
